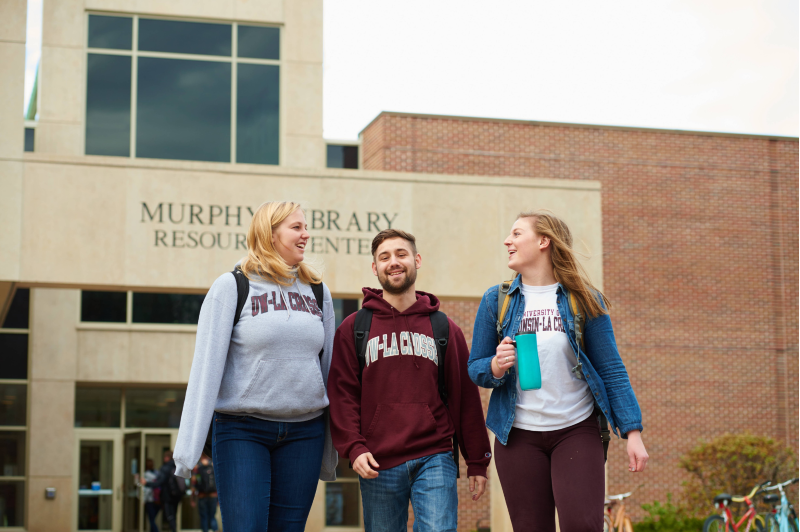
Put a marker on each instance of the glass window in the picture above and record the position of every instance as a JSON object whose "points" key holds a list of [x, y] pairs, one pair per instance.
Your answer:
{"points": [[115, 33], [13, 356], [108, 105], [166, 308], [342, 156], [12, 503], [179, 37], [17, 317], [153, 408], [29, 138], [343, 308], [104, 306], [13, 404], [183, 105], [259, 42], [257, 112], [95, 486], [98, 407], [183, 110], [12, 454]]}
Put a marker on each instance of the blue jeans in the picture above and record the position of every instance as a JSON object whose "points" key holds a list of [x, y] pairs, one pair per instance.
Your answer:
{"points": [[152, 510], [266, 471], [430, 483], [207, 508]]}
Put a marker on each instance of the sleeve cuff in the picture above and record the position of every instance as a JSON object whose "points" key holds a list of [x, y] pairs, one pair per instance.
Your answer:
{"points": [[357, 451], [627, 428], [181, 470], [476, 471]]}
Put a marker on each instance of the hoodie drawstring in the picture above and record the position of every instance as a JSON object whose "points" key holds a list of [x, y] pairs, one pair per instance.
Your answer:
{"points": [[285, 302], [286, 299]]}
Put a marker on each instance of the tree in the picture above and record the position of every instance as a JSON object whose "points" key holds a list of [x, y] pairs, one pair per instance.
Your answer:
{"points": [[733, 464]]}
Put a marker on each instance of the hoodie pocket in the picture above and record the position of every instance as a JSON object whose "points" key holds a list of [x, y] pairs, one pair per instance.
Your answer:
{"points": [[398, 427], [285, 388]]}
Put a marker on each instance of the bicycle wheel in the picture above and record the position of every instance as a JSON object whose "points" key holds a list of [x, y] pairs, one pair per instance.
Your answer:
{"points": [[760, 524], [793, 523], [627, 526], [714, 523], [608, 526], [772, 523]]}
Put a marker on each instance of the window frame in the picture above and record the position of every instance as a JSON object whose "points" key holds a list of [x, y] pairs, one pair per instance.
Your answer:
{"points": [[23, 479], [129, 324], [344, 143], [234, 60]]}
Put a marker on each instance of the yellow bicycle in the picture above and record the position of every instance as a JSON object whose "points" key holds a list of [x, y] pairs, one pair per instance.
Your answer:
{"points": [[617, 521]]}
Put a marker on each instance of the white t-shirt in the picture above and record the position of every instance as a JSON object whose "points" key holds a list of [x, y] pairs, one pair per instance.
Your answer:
{"points": [[563, 400]]}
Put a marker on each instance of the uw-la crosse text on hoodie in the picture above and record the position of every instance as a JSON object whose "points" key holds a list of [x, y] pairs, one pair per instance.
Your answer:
{"points": [[396, 413]]}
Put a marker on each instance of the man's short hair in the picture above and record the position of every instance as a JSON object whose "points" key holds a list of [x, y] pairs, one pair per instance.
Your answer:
{"points": [[386, 234]]}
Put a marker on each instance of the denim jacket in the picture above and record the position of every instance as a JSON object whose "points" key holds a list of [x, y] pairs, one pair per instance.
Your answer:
{"points": [[600, 364]]}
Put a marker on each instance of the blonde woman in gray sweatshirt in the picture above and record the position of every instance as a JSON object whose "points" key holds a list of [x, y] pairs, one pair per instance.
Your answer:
{"points": [[263, 381]]}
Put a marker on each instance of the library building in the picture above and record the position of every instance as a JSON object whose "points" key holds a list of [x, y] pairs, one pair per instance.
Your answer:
{"points": [[155, 130]]}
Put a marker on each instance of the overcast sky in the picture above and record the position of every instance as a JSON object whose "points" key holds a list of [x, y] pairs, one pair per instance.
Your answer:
{"points": [[711, 65], [723, 65]]}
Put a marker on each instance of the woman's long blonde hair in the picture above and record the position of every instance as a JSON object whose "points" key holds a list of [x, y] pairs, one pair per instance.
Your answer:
{"points": [[262, 259], [566, 268]]}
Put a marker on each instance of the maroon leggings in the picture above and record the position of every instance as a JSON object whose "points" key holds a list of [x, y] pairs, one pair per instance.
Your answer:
{"points": [[542, 471]]}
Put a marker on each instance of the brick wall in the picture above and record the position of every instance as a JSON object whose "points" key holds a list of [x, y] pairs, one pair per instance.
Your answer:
{"points": [[700, 239]]}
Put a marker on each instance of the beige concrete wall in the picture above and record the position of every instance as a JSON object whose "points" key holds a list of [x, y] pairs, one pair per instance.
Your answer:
{"points": [[91, 219], [51, 409], [12, 69]]}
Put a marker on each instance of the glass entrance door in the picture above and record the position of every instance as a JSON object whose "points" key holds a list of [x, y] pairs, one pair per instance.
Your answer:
{"points": [[132, 504], [96, 484]]}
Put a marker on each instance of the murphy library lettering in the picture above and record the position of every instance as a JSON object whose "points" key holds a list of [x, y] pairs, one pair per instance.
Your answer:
{"points": [[157, 128]]}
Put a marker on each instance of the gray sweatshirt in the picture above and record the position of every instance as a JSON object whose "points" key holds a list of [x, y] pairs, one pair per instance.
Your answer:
{"points": [[268, 366]]}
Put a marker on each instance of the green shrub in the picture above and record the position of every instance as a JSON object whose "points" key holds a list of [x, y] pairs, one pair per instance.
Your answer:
{"points": [[667, 518], [733, 464]]}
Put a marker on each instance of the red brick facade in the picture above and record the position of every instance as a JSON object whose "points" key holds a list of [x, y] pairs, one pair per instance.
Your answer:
{"points": [[700, 240]]}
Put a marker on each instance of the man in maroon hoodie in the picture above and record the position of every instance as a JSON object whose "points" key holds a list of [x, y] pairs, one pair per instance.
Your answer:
{"points": [[389, 418]]}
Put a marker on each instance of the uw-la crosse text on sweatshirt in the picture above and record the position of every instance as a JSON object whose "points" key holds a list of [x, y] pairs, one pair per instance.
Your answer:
{"points": [[397, 413]]}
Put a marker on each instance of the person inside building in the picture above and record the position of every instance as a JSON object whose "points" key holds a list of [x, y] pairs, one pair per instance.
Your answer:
{"points": [[396, 405], [204, 493], [549, 450], [261, 374], [171, 490], [152, 496]]}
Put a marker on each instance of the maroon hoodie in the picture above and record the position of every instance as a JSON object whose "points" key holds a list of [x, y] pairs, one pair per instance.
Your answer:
{"points": [[397, 413]]}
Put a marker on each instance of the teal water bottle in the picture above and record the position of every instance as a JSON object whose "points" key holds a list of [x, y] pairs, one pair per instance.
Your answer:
{"points": [[530, 374]]}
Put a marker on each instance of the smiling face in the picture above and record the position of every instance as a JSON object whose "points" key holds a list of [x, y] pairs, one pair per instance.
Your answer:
{"points": [[290, 238], [396, 265], [525, 247]]}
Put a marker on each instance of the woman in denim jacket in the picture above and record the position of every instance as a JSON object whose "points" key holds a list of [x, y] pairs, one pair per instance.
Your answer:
{"points": [[550, 453]]}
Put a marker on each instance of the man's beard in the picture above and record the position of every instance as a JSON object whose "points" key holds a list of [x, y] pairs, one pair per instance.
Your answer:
{"points": [[411, 278]]}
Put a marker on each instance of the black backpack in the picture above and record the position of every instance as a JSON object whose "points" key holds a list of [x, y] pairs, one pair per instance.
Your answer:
{"points": [[206, 483], [441, 333], [243, 290], [176, 487]]}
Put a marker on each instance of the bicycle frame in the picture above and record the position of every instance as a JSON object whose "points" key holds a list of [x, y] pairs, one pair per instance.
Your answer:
{"points": [[749, 515], [785, 507]]}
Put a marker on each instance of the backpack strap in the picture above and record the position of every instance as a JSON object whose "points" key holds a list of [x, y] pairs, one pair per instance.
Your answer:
{"points": [[319, 294], [361, 333], [579, 320], [243, 290], [441, 334], [503, 300]]}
